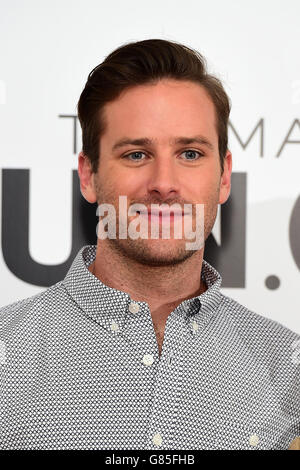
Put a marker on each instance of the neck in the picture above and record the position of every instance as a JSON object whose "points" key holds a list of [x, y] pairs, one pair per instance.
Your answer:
{"points": [[162, 287]]}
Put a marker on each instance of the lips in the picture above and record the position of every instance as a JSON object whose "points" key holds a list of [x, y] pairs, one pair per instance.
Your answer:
{"points": [[162, 213], [156, 213]]}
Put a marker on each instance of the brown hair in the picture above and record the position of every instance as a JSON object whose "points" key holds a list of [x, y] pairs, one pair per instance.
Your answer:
{"points": [[139, 63]]}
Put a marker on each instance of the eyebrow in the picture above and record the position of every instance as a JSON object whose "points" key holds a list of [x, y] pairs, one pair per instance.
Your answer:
{"points": [[177, 140]]}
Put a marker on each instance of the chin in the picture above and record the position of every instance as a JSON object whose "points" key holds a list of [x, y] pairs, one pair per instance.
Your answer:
{"points": [[154, 252]]}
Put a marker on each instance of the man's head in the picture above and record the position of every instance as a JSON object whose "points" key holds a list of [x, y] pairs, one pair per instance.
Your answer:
{"points": [[141, 63], [158, 95]]}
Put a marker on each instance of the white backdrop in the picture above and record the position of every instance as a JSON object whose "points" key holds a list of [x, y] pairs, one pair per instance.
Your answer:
{"points": [[47, 49]]}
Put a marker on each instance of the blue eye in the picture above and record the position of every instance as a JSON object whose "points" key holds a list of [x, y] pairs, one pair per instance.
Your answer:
{"points": [[191, 153], [134, 154]]}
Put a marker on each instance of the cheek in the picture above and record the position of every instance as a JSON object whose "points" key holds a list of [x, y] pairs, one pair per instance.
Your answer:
{"points": [[120, 179], [204, 187], [130, 187], [114, 186]]}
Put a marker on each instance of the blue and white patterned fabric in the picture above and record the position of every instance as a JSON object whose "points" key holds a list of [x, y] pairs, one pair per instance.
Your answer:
{"points": [[80, 369]]}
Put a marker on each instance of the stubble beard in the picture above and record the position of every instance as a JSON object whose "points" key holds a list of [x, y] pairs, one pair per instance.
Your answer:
{"points": [[155, 252]]}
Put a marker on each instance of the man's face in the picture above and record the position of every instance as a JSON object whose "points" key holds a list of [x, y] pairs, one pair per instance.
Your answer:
{"points": [[162, 169]]}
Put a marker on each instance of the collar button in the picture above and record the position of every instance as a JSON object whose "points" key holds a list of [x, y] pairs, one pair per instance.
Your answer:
{"points": [[134, 307]]}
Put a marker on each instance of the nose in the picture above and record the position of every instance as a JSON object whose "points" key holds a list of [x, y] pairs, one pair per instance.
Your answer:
{"points": [[163, 179]]}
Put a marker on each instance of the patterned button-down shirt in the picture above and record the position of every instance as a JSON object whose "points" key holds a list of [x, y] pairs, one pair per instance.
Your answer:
{"points": [[80, 369]]}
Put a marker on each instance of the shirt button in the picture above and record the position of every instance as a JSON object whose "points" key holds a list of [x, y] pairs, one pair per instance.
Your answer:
{"points": [[148, 359], [114, 326], [195, 326], [253, 440], [134, 307], [157, 439]]}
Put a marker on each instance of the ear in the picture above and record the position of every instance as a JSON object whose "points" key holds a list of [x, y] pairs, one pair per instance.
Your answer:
{"points": [[86, 176], [225, 185]]}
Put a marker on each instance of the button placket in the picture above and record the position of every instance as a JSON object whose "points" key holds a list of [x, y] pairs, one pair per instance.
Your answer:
{"points": [[170, 360], [166, 393]]}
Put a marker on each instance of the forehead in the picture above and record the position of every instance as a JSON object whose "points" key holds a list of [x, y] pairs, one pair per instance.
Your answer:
{"points": [[160, 111]]}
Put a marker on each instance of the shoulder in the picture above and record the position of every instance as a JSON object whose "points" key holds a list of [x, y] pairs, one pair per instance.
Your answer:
{"points": [[28, 310], [265, 337], [240, 314]]}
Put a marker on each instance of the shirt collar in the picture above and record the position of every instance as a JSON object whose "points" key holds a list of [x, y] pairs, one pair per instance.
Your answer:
{"points": [[107, 305]]}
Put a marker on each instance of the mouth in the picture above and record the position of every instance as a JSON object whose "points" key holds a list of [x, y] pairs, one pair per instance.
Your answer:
{"points": [[154, 213]]}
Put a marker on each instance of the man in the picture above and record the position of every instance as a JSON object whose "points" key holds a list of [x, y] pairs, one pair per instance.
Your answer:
{"points": [[137, 348]]}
